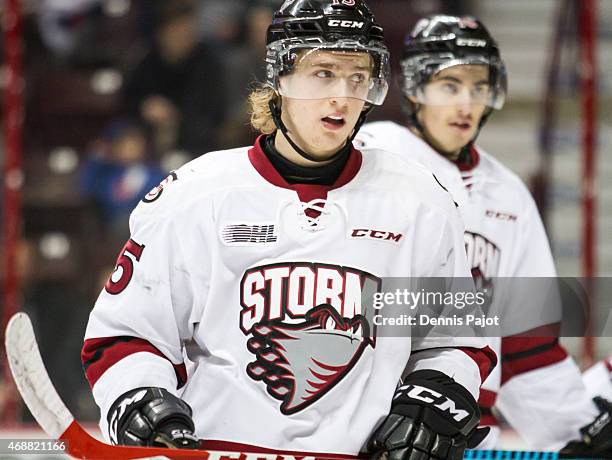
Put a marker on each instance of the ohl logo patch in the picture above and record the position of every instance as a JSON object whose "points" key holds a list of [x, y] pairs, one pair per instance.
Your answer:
{"points": [[308, 325]]}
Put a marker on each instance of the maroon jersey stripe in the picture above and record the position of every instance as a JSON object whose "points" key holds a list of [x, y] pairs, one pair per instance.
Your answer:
{"points": [[524, 354], [100, 354], [485, 358], [486, 401], [608, 364], [487, 398], [488, 420], [306, 192]]}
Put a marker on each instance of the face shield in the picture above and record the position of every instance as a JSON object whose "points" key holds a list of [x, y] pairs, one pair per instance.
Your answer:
{"points": [[482, 82], [343, 69]]}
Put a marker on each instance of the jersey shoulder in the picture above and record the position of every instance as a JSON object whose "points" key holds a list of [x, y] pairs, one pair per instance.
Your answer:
{"points": [[401, 141], [385, 170], [509, 183], [404, 153], [193, 182], [386, 135]]}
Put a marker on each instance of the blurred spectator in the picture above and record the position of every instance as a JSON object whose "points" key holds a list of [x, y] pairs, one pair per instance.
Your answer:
{"points": [[118, 173], [177, 89], [64, 23], [426, 7], [219, 20], [90, 33], [245, 67]]}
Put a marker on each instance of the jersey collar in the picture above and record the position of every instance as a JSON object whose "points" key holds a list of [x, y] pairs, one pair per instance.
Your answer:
{"points": [[306, 192], [469, 161]]}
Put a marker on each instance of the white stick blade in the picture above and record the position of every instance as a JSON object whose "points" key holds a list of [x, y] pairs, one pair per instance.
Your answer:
{"points": [[32, 379]]}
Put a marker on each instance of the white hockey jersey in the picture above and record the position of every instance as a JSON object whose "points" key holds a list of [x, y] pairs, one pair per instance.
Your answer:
{"points": [[538, 388], [266, 287]]}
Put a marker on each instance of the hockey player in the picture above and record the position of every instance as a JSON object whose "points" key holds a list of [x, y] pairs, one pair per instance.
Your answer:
{"points": [[257, 264], [453, 78]]}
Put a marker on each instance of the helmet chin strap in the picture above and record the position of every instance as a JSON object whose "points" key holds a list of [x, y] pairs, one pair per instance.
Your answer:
{"points": [[275, 110]]}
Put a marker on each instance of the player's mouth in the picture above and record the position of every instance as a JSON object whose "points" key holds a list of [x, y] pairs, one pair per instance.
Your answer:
{"points": [[333, 122], [464, 127]]}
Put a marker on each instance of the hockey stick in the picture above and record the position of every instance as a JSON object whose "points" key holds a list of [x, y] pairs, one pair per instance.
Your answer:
{"points": [[56, 420]]}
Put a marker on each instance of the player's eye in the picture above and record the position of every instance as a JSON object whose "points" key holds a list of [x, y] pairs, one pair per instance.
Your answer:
{"points": [[481, 93], [358, 78], [450, 88], [324, 74]]}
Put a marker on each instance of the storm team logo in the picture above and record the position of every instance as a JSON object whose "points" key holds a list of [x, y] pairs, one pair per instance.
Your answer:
{"points": [[484, 258], [301, 362], [308, 326]]}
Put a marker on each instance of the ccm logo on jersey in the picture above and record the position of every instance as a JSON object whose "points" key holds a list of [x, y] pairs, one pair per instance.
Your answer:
{"points": [[429, 396], [376, 235], [345, 23], [500, 215]]}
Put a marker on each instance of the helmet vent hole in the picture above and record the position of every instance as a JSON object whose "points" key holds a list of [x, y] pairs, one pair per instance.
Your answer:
{"points": [[304, 27]]}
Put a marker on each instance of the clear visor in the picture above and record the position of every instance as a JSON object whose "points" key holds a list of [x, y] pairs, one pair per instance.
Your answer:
{"points": [[326, 73], [464, 82]]}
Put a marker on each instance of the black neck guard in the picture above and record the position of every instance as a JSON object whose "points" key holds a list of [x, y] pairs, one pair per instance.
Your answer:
{"points": [[296, 174]]}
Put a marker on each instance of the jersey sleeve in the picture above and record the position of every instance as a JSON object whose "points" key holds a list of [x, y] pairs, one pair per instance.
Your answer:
{"points": [[542, 394], [598, 379], [547, 405], [467, 366], [457, 351], [531, 301], [147, 310], [534, 258]]}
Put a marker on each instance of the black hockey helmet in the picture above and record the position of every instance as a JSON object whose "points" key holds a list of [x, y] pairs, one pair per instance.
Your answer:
{"points": [[438, 42], [302, 27], [311, 18], [333, 25]]}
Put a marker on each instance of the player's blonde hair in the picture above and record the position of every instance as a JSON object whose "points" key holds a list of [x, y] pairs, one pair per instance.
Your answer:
{"points": [[259, 109]]}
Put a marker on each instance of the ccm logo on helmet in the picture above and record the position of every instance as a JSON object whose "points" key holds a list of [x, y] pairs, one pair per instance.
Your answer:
{"points": [[473, 42], [345, 23], [433, 397]]}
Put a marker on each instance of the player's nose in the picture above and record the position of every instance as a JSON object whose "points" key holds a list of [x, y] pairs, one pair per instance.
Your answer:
{"points": [[339, 101], [465, 108]]}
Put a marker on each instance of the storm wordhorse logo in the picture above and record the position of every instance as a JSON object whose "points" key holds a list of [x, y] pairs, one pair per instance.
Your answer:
{"points": [[308, 325], [483, 257]]}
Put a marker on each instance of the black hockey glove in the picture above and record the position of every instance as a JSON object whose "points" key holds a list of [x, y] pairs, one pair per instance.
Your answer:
{"points": [[596, 439], [432, 417], [151, 417]]}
